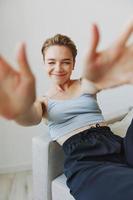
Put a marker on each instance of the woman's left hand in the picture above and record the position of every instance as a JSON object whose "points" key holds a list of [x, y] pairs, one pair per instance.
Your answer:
{"points": [[112, 66]]}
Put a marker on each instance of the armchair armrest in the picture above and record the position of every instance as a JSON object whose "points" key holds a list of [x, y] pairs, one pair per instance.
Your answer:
{"points": [[48, 159]]}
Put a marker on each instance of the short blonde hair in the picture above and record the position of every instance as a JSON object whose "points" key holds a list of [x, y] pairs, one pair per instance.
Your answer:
{"points": [[61, 40]]}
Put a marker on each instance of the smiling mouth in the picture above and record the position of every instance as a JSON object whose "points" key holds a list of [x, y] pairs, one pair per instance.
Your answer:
{"points": [[59, 74]]}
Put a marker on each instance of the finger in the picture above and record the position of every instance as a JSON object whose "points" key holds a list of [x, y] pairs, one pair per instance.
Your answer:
{"points": [[23, 61], [5, 68], [93, 41], [3, 64], [124, 36]]}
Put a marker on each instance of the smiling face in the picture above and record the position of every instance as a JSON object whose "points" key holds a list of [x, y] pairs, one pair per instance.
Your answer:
{"points": [[59, 63]]}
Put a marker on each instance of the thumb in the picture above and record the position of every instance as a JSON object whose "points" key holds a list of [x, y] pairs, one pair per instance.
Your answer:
{"points": [[23, 61], [93, 41]]}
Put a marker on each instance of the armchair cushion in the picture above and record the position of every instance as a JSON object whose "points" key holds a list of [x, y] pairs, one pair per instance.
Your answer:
{"points": [[60, 191]]}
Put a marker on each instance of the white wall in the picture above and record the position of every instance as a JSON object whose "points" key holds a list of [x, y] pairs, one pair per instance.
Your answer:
{"points": [[33, 21]]}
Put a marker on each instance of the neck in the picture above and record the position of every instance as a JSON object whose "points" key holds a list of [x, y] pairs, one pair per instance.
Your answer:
{"points": [[63, 87]]}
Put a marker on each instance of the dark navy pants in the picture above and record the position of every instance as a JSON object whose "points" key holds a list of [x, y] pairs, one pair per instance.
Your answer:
{"points": [[99, 164]]}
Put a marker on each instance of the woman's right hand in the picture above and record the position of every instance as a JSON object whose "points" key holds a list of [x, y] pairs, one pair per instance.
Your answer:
{"points": [[17, 88]]}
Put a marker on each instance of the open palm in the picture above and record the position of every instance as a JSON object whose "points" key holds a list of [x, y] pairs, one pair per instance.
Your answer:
{"points": [[112, 66], [17, 88]]}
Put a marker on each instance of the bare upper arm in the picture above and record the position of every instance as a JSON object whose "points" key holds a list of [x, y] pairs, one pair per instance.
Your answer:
{"points": [[43, 105]]}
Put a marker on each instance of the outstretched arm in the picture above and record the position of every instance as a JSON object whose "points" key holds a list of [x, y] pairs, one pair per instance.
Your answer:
{"points": [[17, 92], [112, 66]]}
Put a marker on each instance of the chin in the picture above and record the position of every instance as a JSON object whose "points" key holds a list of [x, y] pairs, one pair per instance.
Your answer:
{"points": [[58, 81]]}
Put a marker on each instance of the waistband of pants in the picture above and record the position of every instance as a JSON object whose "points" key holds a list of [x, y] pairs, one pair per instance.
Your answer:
{"points": [[83, 134]]}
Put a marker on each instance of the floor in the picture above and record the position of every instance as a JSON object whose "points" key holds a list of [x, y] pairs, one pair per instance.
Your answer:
{"points": [[16, 186]]}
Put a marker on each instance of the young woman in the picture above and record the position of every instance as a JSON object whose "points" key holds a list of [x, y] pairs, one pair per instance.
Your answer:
{"points": [[98, 164]]}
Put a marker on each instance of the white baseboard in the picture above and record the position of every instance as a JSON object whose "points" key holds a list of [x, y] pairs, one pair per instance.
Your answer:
{"points": [[15, 168]]}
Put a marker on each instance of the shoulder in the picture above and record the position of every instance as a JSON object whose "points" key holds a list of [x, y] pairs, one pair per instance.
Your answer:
{"points": [[88, 86]]}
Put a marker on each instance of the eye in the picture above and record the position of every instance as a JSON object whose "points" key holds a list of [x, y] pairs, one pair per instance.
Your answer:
{"points": [[51, 63], [66, 63]]}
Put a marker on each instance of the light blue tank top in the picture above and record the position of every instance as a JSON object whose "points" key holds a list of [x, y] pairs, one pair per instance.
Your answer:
{"points": [[65, 116]]}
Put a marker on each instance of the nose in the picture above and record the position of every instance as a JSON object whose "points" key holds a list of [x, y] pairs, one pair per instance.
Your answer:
{"points": [[58, 67]]}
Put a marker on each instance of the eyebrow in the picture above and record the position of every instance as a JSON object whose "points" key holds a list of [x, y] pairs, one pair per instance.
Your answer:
{"points": [[65, 59]]}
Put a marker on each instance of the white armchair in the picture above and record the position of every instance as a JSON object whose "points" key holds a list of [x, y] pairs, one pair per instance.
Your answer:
{"points": [[48, 177], [49, 182]]}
